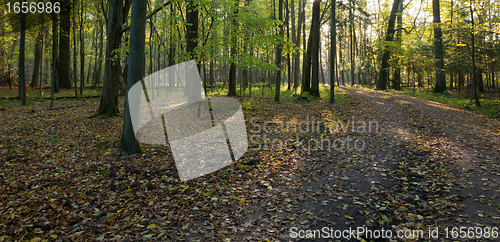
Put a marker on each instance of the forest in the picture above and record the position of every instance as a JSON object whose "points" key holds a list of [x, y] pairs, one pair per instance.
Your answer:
{"points": [[400, 102]]}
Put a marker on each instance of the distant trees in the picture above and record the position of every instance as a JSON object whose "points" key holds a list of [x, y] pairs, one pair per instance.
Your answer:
{"points": [[242, 44]]}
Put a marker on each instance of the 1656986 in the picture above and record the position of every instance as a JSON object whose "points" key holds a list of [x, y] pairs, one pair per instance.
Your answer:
{"points": [[33, 7]]}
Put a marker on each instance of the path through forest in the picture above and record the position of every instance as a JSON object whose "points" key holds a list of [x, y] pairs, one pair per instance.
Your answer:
{"points": [[429, 165]]}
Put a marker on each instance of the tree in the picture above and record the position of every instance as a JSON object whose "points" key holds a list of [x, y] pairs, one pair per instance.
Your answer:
{"points": [[135, 71], [64, 47], [37, 61], [278, 53], [112, 68], [473, 56], [333, 51], [22, 42], [233, 53], [396, 84], [82, 50], [2, 65], [440, 85], [386, 54], [315, 39], [54, 85]]}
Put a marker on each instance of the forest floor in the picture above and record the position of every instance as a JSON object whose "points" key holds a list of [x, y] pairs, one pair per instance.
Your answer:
{"points": [[394, 162]]}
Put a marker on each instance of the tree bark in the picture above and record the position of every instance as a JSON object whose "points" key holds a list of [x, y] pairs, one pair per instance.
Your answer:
{"points": [[54, 82], [82, 50], [278, 54], [396, 84], [37, 61], [473, 56], [333, 51], [2, 70], [112, 68], [22, 44], [233, 53], [440, 85], [135, 72], [315, 33], [306, 67], [64, 47], [352, 46]]}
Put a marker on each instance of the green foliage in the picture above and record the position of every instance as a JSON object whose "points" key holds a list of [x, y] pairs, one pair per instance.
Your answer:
{"points": [[250, 105]]}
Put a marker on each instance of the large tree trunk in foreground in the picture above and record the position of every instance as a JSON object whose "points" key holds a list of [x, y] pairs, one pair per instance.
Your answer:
{"points": [[135, 72], [440, 85], [112, 67], [22, 43], [64, 47], [315, 32], [384, 67]]}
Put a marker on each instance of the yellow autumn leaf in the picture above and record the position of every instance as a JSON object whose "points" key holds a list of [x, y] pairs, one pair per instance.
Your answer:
{"points": [[151, 226], [36, 239]]}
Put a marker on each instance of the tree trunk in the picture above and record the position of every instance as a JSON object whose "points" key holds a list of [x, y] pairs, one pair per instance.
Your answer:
{"points": [[473, 56], [135, 72], [294, 41], [278, 54], [233, 53], [352, 45], [54, 82], [82, 50], [296, 69], [333, 51], [306, 67], [64, 47], [37, 61], [288, 57], [396, 84], [440, 85], [384, 67], [2, 70], [112, 68], [22, 42], [74, 49], [315, 32]]}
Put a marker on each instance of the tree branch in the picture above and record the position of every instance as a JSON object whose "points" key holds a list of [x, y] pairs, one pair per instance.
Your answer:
{"points": [[155, 11]]}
